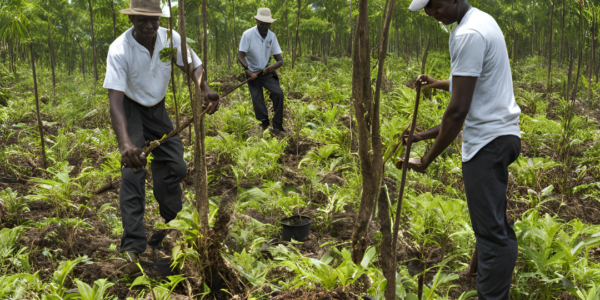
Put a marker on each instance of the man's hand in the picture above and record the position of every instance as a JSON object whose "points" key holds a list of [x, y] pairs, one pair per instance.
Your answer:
{"points": [[212, 99], [426, 81], [416, 164], [268, 69], [405, 134], [132, 156], [251, 75]]}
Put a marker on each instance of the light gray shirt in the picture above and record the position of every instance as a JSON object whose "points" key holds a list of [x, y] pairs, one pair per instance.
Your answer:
{"points": [[144, 79], [478, 49], [258, 50]]}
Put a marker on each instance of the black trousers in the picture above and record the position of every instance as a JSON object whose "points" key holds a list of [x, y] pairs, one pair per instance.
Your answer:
{"points": [[168, 170], [486, 182], [269, 81]]}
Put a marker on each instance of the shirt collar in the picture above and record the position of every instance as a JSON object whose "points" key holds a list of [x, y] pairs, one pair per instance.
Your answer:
{"points": [[131, 40], [260, 36]]}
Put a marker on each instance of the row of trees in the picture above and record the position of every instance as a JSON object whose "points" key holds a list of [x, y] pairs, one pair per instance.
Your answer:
{"points": [[66, 36]]}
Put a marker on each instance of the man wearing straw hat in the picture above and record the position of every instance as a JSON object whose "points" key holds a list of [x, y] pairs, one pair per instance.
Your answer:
{"points": [[256, 47], [482, 100], [137, 82]]}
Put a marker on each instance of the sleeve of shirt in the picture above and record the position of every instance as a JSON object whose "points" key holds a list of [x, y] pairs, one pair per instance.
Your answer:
{"points": [[467, 55], [275, 49], [245, 43], [191, 55], [116, 71]]}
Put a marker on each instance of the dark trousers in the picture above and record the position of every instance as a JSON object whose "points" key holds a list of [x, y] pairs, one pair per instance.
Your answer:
{"points": [[168, 170], [486, 181], [269, 81]]}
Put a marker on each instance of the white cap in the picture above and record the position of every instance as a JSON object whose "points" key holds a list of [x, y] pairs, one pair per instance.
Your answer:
{"points": [[418, 5], [264, 15]]}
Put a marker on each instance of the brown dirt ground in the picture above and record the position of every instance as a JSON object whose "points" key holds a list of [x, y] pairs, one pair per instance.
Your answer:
{"points": [[305, 294]]}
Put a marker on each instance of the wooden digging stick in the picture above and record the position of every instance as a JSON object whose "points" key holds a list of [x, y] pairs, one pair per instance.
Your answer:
{"points": [[405, 167], [187, 123]]}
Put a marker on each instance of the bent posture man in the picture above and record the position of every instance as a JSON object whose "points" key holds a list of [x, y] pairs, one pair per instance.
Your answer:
{"points": [[256, 47], [137, 82], [482, 99]]}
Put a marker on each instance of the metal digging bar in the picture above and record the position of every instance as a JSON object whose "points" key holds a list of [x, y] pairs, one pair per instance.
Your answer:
{"points": [[405, 167]]}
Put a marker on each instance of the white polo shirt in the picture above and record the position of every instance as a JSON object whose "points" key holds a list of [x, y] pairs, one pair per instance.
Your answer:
{"points": [[144, 79], [258, 50], [478, 49]]}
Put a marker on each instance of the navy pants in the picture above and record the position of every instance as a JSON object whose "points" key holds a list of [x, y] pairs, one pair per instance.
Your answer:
{"points": [[269, 81], [486, 181], [168, 170]]}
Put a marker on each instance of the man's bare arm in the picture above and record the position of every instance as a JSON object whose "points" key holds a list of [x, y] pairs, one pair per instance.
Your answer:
{"points": [[242, 60], [432, 83], [278, 63], [452, 122], [131, 155]]}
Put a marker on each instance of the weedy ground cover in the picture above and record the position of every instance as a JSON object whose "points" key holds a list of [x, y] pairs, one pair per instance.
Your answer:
{"points": [[58, 232]]}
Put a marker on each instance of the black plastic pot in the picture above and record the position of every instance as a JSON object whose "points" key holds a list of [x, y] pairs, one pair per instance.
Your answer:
{"points": [[295, 227]]}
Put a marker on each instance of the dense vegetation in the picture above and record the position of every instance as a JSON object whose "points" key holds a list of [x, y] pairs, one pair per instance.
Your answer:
{"points": [[60, 218]]}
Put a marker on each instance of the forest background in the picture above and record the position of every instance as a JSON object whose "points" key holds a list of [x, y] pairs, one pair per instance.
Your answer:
{"points": [[59, 211]]}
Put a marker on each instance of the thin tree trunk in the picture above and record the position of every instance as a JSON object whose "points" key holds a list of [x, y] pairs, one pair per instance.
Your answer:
{"points": [[297, 28], [351, 27], [550, 52], [287, 30], [533, 28], [201, 184], [234, 36], [387, 260], [562, 35], [173, 63], [93, 44], [114, 17], [37, 108], [575, 88], [370, 159], [51, 58], [591, 60], [82, 60], [204, 42]]}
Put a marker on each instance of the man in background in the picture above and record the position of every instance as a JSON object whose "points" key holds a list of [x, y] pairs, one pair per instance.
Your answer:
{"points": [[256, 47]]}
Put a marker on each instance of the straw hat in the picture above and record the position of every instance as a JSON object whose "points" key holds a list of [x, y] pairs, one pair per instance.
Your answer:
{"points": [[149, 8], [264, 15], [418, 5]]}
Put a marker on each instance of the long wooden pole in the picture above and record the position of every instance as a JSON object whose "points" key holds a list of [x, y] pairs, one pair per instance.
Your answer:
{"points": [[173, 62]]}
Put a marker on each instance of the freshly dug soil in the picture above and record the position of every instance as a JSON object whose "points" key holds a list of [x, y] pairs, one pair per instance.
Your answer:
{"points": [[303, 294]]}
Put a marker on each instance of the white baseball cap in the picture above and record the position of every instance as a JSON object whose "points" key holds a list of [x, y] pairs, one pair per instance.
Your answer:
{"points": [[418, 5], [264, 15]]}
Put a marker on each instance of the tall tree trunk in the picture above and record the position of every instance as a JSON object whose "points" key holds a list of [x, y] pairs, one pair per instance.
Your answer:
{"points": [[370, 159], [37, 108], [297, 28], [591, 59], [576, 86], [387, 260], [93, 44], [114, 17], [549, 82], [351, 27], [82, 60], [287, 30], [235, 44], [533, 28], [201, 184], [562, 35], [173, 63], [204, 41], [51, 57]]}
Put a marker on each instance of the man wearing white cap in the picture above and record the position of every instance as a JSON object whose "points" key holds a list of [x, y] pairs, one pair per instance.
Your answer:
{"points": [[257, 46], [482, 100], [137, 81]]}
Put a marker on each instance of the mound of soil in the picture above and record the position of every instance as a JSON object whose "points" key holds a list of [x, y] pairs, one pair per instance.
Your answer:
{"points": [[302, 294]]}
